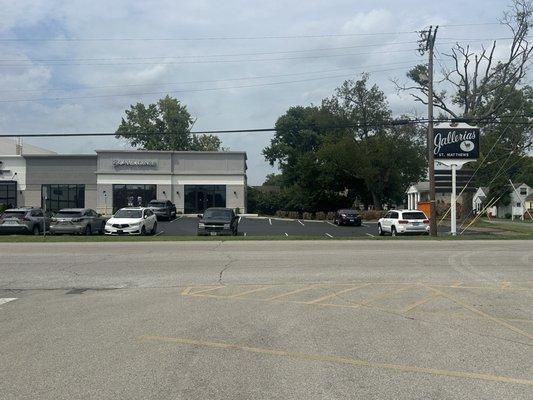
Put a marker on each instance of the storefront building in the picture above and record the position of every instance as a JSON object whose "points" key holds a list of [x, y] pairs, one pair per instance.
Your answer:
{"points": [[113, 179]]}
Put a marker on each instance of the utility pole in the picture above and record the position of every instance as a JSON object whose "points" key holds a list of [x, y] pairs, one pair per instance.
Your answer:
{"points": [[427, 44]]}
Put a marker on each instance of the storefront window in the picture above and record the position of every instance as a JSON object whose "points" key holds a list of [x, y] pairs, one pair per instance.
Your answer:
{"points": [[56, 197], [8, 194], [200, 197], [133, 195]]}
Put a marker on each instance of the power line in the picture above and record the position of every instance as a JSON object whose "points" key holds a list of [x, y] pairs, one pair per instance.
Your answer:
{"points": [[198, 81], [397, 122], [217, 61], [206, 38], [205, 55], [188, 90]]}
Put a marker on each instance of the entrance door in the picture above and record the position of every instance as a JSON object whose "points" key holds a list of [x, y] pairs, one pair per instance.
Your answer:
{"points": [[8, 194], [198, 198]]}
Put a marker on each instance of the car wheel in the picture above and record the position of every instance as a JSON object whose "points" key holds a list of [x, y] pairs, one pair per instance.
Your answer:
{"points": [[380, 230], [143, 230], [393, 231], [36, 231], [88, 231], [154, 229]]}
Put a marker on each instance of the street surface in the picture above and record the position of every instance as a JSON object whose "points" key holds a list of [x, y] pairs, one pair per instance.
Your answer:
{"points": [[267, 320]]}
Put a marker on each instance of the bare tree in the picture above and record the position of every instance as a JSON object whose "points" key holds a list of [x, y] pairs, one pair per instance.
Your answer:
{"points": [[481, 83]]}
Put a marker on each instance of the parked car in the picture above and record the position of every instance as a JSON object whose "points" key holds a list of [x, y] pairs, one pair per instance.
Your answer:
{"points": [[163, 209], [77, 221], [218, 221], [347, 216], [24, 220], [397, 222], [132, 221]]}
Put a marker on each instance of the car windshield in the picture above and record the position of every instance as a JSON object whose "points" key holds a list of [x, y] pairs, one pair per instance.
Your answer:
{"points": [[69, 214], [413, 215], [128, 214], [350, 212], [14, 214], [217, 214], [157, 204]]}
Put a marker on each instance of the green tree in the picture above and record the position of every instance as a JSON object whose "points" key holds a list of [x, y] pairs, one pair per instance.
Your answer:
{"points": [[165, 125]]}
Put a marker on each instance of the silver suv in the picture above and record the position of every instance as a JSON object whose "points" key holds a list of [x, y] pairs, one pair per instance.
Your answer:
{"points": [[83, 221], [24, 220]]}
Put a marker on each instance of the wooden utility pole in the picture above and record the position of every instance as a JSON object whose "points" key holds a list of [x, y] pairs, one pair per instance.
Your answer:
{"points": [[427, 45]]}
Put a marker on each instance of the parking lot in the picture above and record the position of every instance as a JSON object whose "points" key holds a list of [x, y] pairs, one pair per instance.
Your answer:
{"points": [[263, 226], [267, 320]]}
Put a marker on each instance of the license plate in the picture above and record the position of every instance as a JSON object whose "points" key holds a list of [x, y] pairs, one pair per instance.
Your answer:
{"points": [[351, 219], [10, 222], [416, 223], [213, 233], [119, 232]]}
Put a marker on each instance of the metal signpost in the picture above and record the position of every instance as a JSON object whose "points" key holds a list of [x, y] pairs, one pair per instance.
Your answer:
{"points": [[455, 144]]}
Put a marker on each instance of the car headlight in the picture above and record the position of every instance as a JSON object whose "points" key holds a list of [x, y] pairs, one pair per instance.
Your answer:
{"points": [[201, 225], [135, 223], [226, 226], [343, 215]]}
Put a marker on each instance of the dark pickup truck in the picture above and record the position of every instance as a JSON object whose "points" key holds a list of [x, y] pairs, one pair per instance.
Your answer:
{"points": [[218, 221]]}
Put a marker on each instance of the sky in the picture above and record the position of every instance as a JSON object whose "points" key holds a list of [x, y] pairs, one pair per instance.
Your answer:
{"points": [[76, 66]]}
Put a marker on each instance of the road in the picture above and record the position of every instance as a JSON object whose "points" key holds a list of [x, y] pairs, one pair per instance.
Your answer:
{"points": [[267, 320]]}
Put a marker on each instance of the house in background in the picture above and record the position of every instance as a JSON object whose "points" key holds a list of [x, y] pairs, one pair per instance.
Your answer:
{"points": [[521, 202], [419, 192]]}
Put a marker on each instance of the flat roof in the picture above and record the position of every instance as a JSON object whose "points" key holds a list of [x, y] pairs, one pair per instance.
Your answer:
{"points": [[169, 151]]}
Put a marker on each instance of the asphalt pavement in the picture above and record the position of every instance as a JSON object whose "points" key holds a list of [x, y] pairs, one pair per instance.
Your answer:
{"points": [[264, 226], [267, 320]]}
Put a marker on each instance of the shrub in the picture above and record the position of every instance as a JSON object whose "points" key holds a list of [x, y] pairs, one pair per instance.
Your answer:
{"points": [[330, 215], [307, 215], [3, 207], [372, 214], [320, 215], [237, 210], [508, 215], [294, 214], [281, 214]]}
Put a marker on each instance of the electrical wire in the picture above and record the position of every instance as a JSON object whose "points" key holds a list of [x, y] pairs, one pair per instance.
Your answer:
{"points": [[97, 96]]}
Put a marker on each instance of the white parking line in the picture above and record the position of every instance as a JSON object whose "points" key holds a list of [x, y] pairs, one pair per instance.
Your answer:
{"points": [[175, 219], [270, 221], [364, 225], [244, 233], [301, 223], [286, 234], [327, 222], [369, 234], [328, 235], [7, 300], [159, 233], [239, 221]]}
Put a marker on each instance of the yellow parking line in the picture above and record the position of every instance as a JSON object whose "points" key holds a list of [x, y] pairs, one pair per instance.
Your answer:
{"points": [[186, 291], [207, 290], [251, 291], [329, 296], [483, 314], [340, 360], [294, 292], [418, 303], [386, 295]]}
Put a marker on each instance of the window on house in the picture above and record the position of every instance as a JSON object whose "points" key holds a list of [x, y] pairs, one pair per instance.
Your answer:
{"points": [[523, 191], [519, 204]]}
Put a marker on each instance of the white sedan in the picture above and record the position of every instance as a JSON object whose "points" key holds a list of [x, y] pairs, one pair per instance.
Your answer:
{"points": [[132, 221]]}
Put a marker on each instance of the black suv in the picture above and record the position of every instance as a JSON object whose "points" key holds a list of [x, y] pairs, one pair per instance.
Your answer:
{"points": [[347, 216], [163, 209], [218, 221]]}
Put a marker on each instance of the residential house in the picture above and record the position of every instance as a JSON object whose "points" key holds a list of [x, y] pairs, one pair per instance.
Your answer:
{"points": [[521, 202]]}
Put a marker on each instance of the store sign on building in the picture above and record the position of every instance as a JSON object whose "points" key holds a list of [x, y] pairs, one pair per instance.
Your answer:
{"points": [[134, 163], [456, 141]]}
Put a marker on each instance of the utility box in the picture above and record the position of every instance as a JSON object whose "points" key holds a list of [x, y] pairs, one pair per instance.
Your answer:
{"points": [[424, 207]]}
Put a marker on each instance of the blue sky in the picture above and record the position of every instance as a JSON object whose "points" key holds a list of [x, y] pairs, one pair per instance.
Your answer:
{"points": [[30, 70]]}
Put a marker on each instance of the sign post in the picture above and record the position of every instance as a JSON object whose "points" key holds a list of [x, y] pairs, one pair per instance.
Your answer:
{"points": [[454, 145]]}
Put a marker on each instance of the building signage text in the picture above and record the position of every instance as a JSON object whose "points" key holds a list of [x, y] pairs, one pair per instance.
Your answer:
{"points": [[135, 163], [460, 143]]}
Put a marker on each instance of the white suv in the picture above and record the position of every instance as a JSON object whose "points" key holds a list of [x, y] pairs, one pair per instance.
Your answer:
{"points": [[132, 221], [398, 222]]}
